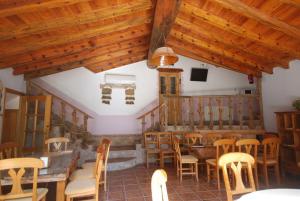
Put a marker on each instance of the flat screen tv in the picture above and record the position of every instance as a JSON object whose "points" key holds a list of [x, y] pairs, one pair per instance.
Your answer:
{"points": [[199, 74]]}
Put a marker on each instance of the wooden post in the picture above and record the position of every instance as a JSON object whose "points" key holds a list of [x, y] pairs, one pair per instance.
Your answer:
{"points": [[240, 111], [211, 123], [143, 124], [259, 95], [250, 110], [219, 101], [230, 111], [191, 106], [152, 120], [201, 112]]}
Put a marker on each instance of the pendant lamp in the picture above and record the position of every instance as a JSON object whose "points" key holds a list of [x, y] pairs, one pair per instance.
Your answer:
{"points": [[163, 56]]}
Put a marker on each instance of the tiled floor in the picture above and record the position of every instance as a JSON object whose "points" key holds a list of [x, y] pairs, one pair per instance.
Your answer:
{"points": [[135, 185]]}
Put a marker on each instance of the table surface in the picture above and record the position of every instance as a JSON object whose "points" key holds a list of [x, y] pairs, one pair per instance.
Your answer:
{"points": [[272, 194], [57, 170]]}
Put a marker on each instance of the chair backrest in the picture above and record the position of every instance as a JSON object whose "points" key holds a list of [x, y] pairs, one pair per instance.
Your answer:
{"points": [[177, 148], [224, 146], [165, 140], [8, 150], [209, 138], [106, 143], [249, 146], [236, 161], [271, 148], [158, 186], [57, 144], [151, 140], [193, 138], [16, 168], [99, 165]]}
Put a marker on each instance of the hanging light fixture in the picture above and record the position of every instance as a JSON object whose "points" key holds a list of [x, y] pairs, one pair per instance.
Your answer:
{"points": [[163, 56]]}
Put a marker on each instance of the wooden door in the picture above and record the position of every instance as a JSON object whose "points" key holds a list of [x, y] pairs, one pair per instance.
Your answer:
{"points": [[10, 126], [169, 91], [37, 116]]}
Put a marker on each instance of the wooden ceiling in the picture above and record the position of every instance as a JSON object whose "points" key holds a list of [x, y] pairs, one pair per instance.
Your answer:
{"points": [[42, 37]]}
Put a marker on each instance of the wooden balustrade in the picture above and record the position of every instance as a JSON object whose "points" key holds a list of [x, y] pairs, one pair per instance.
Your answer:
{"points": [[67, 111], [218, 112]]}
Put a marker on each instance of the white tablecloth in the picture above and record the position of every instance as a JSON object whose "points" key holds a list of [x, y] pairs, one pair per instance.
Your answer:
{"points": [[272, 195]]}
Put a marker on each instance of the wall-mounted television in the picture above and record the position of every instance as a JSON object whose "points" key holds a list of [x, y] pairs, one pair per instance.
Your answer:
{"points": [[199, 74]]}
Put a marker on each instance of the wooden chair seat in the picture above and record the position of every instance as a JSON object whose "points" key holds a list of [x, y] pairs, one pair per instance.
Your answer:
{"points": [[188, 159], [87, 173], [41, 193], [212, 161], [81, 187]]}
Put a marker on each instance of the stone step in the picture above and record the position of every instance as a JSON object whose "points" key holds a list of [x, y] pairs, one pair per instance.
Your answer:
{"points": [[114, 164], [121, 153]]}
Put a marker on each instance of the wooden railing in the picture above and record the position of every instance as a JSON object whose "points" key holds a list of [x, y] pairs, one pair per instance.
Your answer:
{"points": [[153, 119], [219, 112], [65, 110]]}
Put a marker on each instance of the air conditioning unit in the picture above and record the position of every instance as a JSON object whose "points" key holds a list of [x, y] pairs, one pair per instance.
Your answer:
{"points": [[120, 79]]}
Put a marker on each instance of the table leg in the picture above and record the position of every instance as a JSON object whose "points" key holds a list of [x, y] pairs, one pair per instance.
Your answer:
{"points": [[60, 190]]}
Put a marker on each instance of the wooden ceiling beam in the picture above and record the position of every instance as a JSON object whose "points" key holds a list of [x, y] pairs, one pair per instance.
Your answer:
{"points": [[14, 7], [48, 54], [199, 29], [82, 56], [295, 3], [164, 17], [195, 12], [194, 52], [118, 61], [130, 52], [263, 18], [33, 42], [218, 48], [69, 21]]}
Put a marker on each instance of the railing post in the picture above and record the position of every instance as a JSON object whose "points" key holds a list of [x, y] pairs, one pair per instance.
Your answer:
{"points": [[219, 101], [143, 124], [201, 112], [152, 120], [74, 119], [240, 111], [211, 123], [85, 122], [250, 110], [191, 106], [230, 111]]}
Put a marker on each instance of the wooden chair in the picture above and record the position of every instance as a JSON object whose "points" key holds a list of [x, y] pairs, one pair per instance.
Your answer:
{"points": [[250, 146], [190, 160], [193, 139], [270, 157], [158, 186], [235, 161], [89, 186], [8, 150], [209, 138], [223, 146], [16, 168], [151, 146], [89, 169], [166, 147], [57, 144]]}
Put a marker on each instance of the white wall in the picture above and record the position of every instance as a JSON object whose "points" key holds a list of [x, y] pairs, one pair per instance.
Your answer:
{"points": [[83, 87], [279, 91]]}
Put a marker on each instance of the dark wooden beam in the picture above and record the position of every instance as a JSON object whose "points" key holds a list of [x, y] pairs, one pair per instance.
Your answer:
{"points": [[164, 17]]}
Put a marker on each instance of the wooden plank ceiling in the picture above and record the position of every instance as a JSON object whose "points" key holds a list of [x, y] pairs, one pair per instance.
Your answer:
{"points": [[43, 37]]}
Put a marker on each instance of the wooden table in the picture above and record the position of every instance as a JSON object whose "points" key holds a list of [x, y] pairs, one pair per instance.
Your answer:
{"points": [[272, 194], [58, 171]]}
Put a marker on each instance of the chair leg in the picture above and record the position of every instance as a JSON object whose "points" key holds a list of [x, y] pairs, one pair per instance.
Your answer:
{"points": [[161, 155], [265, 167], [277, 172], [68, 198], [208, 172], [196, 171], [256, 177], [218, 177], [180, 164], [105, 172]]}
